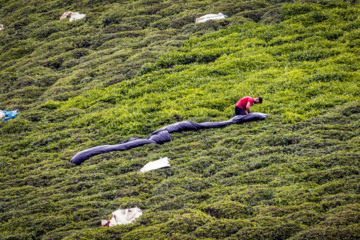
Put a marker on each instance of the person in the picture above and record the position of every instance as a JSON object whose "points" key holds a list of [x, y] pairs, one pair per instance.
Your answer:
{"points": [[243, 105], [8, 114]]}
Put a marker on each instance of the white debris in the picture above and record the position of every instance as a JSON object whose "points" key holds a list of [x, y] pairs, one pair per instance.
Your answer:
{"points": [[122, 216], [210, 17], [72, 15], [65, 15], [161, 163], [2, 27]]}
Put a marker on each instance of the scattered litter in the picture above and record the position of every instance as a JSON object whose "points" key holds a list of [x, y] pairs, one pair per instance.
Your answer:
{"points": [[1, 27], [161, 163], [72, 15], [6, 115], [122, 216], [210, 17]]}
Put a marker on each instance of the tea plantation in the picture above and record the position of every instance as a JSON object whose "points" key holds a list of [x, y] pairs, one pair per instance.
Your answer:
{"points": [[132, 67]]}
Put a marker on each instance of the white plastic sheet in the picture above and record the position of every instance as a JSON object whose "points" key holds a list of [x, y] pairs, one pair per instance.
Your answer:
{"points": [[161, 163], [72, 15], [123, 216], [208, 17]]}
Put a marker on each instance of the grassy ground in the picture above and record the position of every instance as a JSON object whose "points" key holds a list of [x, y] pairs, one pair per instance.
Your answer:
{"points": [[293, 176]]}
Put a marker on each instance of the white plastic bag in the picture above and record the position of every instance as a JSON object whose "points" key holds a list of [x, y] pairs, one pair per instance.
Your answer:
{"points": [[72, 15], [161, 163], [208, 17], [122, 216]]}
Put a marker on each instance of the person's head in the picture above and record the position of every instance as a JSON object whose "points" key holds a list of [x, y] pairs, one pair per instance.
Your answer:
{"points": [[258, 100]]}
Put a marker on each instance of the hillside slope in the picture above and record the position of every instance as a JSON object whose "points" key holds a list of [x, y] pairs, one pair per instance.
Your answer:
{"points": [[43, 58], [293, 176]]}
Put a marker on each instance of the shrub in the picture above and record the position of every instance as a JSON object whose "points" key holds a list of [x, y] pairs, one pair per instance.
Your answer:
{"points": [[112, 17], [221, 228], [283, 231], [227, 209], [350, 232], [189, 222], [293, 117]]}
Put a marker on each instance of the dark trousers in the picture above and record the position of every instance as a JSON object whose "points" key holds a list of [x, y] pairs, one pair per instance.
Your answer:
{"points": [[239, 111]]}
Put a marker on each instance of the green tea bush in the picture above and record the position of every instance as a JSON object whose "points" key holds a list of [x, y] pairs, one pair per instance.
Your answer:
{"points": [[221, 228], [283, 231], [19, 52], [349, 232], [227, 209], [187, 222]]}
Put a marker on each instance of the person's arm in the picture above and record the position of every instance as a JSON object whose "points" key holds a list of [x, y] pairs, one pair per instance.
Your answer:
{"points": [[247, 110]]}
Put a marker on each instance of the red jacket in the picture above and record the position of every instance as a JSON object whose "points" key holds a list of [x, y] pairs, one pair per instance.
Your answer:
{"points": [[244, 101]]}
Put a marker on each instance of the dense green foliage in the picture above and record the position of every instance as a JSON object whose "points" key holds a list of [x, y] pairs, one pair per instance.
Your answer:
{"points": [[44, 58], [293, 176]]}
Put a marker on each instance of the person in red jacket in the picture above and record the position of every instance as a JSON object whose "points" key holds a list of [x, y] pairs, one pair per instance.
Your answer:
{"points": [[244, 104]]}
